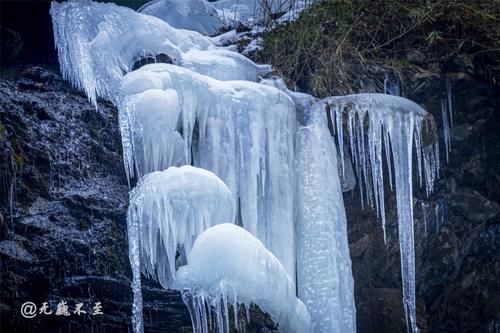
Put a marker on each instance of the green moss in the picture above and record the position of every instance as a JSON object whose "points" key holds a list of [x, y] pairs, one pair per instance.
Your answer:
{"points": [[18, 154]]}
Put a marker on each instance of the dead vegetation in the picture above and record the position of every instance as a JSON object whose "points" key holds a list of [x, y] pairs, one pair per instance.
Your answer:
{"points": [[341, 47]]}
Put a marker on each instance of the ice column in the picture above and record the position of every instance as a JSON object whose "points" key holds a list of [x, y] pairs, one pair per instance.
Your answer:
{"points": [[324, 275]]}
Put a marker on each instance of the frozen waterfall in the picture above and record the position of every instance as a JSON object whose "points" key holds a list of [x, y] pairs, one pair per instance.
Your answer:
{"points": [[98, 43], [210, 142], [242, 131]]}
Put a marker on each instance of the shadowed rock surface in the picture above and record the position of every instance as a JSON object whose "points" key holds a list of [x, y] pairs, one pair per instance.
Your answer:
{"points": [[62, 177], [457, 229]]}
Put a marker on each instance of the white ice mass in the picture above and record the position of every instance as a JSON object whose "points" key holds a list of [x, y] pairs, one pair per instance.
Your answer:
{"points": [[196, 15], [249, 151], [98, 43], [324, 276], [242, 131], [247, 273], [168, 210]]}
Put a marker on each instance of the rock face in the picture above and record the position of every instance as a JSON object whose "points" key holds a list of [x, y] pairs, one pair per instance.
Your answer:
{"points": [[64, 183], [64, 198], [457, 229]]}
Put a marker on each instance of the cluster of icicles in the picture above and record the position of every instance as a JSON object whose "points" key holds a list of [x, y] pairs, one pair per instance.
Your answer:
{"points": [[239, 200]]}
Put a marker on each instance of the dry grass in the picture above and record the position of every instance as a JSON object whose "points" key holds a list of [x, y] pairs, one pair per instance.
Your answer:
{"points": [[340, 47]]}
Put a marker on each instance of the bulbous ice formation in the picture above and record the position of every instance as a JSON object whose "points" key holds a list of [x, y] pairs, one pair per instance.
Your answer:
{"points": [[168, 210], [229, 265], [224, 65], [242, 131], [149, 137]]}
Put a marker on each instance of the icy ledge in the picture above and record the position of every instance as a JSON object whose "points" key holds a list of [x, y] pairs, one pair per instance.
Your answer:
{"points": [[377, 122], [167, 211], [98, 43], [229, 265]]}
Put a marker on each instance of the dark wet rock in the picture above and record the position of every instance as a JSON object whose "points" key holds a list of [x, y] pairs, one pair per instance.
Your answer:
{"points": [[11, 45], [456, 228], [151, 59], [63, 234], [461, 63]]}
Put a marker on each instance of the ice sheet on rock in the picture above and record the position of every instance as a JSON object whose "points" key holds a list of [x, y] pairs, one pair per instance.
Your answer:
{"points": [[196, 15], [378, 122], [248, 273], [228, 37], [242, 131], [224, 65], [324, 277]]}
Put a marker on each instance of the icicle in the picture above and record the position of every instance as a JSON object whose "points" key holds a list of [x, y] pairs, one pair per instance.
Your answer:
{"points": [[398, 122], [134, 257], [449, 100], [401, 139], [425, 216], [241, 131], [240, 277], [446, 128]]}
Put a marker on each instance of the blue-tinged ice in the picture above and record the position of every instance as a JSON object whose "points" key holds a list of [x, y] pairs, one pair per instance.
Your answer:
{"points": [[447, 117], [227, 265], [242, 131], [168, 210], [324, 277], [224, 65], [196, 15], [98, 43], [378, 122]]}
